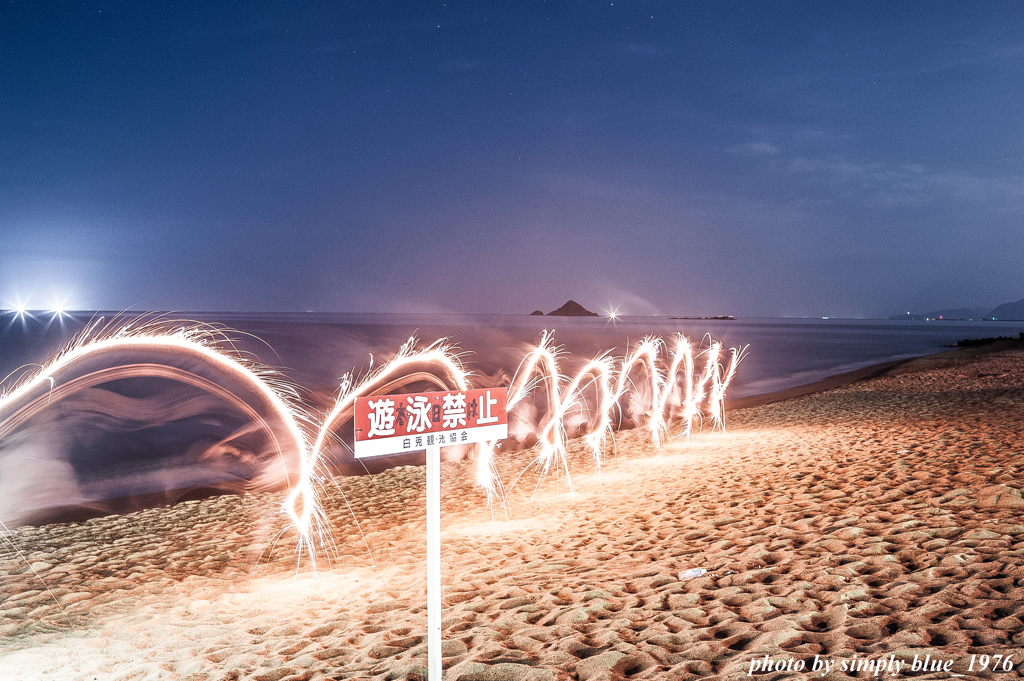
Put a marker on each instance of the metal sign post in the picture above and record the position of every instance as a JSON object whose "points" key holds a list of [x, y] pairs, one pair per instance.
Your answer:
{"points": [[434, 563], [395, 424]]}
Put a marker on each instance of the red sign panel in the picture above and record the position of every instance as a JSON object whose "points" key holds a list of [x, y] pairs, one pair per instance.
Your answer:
{"points": [[392, 424]]}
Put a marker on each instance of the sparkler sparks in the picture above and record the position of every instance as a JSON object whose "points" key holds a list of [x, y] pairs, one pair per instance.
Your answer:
{"points": [[154, 347], [645, 355], [649, 387], [667, 392], [540, 366], [437, 364]]}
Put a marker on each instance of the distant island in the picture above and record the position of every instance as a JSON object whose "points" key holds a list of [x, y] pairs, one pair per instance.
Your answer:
{"points": [[574, 309], [1006, 312], [570, 309], [721, 316]]}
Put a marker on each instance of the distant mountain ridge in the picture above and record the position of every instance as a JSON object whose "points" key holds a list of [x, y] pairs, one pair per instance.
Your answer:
{"points": [[1004, 312], [1012, 311]]}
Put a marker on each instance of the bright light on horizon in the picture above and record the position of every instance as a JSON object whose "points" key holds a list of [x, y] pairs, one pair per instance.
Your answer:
{"points": [[58, 309], [20, 308]]}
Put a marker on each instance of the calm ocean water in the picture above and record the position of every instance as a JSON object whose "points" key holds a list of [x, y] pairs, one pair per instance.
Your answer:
{"points": [[316, 349]]}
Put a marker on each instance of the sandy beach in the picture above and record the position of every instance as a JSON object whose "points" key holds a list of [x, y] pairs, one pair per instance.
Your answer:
{"points": [[869, 527]]}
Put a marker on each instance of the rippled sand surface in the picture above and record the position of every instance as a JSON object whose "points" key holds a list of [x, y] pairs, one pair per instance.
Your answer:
{"points": [[881, 520]]}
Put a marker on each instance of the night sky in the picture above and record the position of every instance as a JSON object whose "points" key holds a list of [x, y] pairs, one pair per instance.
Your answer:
{"points": [[773, 159]]}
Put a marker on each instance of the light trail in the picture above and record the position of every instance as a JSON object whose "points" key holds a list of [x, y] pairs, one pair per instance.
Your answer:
{"points": [[437, 364], [670, 388], [645, 354], [157, 339], [540, 367]]}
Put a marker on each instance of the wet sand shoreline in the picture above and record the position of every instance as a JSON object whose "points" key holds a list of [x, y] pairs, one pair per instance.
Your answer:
{"points": [[845, 378], [880, 519]]}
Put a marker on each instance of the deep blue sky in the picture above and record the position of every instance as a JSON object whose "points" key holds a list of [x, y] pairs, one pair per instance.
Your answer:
{"points": [[790, 159]]}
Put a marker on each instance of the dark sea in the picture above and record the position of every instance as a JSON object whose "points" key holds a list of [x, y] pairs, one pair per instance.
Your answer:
{"points": [[315, 350]]}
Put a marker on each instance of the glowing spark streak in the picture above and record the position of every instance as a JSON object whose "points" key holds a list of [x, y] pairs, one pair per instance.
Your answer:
{"points": [[541, 367], [160, 344], [192, 341], [600, 369], [713, 373], [528, 376], [391, 377], [716, 406], [691, 394], [682, 355], [646, 354], [691, 406], [124, 371], [408, 367], [59, 392]]}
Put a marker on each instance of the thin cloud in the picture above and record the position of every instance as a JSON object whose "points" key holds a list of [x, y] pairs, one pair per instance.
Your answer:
{"points": [[755, 149], [910, 184]]}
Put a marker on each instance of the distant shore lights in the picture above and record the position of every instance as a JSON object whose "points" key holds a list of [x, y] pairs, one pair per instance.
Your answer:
{"points": [[21, 309]]}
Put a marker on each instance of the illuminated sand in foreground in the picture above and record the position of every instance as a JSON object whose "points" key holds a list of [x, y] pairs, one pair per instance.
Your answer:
{"points": [[880, 518]]}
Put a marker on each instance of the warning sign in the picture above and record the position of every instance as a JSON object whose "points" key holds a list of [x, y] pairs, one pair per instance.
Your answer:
{"points": [[394, 424]]}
